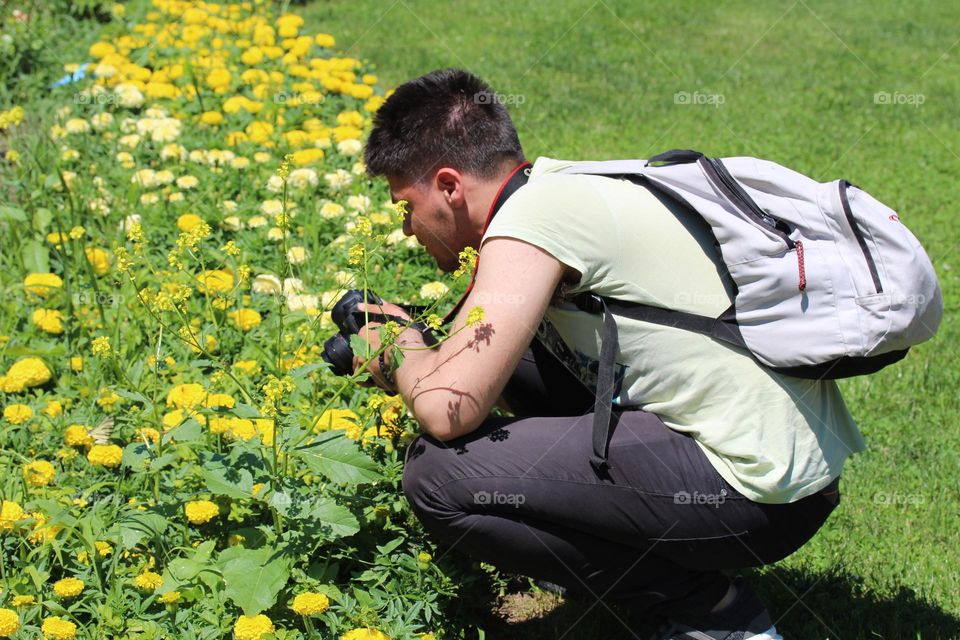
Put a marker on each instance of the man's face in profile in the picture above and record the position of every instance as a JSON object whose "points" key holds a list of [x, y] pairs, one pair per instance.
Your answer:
{"points": [[431, 219]]}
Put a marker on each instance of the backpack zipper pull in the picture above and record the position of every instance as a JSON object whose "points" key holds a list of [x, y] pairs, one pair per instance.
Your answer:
{"points": [[803, 273]]}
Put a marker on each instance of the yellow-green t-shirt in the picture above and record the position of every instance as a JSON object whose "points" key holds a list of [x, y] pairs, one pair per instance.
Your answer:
{"points": [[775, 438]]}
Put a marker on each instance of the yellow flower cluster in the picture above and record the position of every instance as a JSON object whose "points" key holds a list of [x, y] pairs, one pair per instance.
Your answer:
{"points": [[39, 473], [105, 455], [364, 633], [24, 374], [252, 627], [9, 622], [148, 581], [10, 514], [201, 511], [17, 413], [68, 587], [310, 603], [56, 628]]}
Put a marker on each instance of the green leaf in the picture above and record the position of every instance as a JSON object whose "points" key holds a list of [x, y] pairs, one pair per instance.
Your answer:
{"points": [[338, 458], [41, 219], [134, 527], [35, 256], [225, 480], [12, 213], [183, 571], [242, 410], [186, 432], [254, 578], [322, 518], [135, 456]]}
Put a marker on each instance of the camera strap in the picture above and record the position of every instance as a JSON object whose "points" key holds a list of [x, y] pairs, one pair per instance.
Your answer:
{"points": [[516, 179]]}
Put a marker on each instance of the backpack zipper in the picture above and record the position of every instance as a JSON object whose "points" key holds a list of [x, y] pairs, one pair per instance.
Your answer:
{"points": [[848, 212], [716, 170]]}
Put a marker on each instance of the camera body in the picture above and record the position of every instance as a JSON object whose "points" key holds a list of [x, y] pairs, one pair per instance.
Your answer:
{"points": [[337, 351]]}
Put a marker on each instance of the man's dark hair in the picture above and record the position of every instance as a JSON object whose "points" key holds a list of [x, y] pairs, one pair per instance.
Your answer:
{"points": [[447, 118]]}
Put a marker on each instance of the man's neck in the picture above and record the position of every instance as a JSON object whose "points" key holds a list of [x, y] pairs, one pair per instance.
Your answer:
{"points": [[487, 192]]}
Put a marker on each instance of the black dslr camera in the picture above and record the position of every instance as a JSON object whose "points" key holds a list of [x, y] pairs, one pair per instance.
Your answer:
{"points": [[337, 351]]}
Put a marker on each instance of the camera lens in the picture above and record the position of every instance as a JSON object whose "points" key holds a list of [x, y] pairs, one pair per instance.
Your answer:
{"points": [[338, 354]]}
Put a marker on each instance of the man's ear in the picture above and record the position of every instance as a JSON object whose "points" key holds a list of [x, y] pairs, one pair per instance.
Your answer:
{"points": [[450, 183]]}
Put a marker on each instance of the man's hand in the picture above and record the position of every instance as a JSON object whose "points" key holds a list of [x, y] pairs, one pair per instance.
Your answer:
{"points": [[371, 333]]}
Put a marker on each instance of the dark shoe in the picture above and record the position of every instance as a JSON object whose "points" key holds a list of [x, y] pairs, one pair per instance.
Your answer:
{"points": [[742, 619]]}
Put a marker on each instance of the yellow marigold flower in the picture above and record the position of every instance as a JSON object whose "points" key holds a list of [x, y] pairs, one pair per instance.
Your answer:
{"points": [[212, 118], [99, 259], [186, 396], [106, 455], [39, 473], [218, 79], [147, 433], [215, 281], [56, 628], [364, 633], [336, 419], [307, 156], [170, 597], [68, 587], [77, 436], [10, 513], [23, 374], [9, 622], [48, 320], [23, 601], [17, 413], [252, 627], [76, 363], [427, 636], [100, 346], [310, 603], [247, 367], [188, 222], [219, 401], [324, 40], [201, 511], [103, 548], [42, 284], [245, 319], [57, 239], [148, 581], [53, 408]]}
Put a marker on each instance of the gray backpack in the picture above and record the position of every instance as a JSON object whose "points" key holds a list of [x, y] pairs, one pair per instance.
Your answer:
{"points": [[828, 282]]}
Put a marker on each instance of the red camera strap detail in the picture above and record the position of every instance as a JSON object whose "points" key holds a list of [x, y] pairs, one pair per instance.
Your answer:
{"points": [[502, 195]]}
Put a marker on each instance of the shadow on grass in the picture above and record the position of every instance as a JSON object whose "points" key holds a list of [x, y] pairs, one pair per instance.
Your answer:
{"points": [[804, 606]]}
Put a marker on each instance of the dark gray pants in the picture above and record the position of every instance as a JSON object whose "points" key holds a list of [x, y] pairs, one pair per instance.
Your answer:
{"points": [[659, 532]]}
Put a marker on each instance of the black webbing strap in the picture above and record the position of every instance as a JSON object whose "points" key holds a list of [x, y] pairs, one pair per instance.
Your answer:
{"points": [[603, 403]]}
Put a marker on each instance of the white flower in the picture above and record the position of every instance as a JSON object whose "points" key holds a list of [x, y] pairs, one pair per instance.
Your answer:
{"points": [[145, 178], [187, 182], [358, 169], [343, 278], [128, 125], [101, 121], [232, 223], [359, 203], [349, 147], [433, 290], [128, 96], [297, 255], [164, 176], [303, 178], [256, 221], [228, 206], [127, 223], [395, 237], [266, 284], [275, 234], [331, 210], [338, 180], [173, 151], [130, 141], [292, 285], [271, 207], [302, 302], [275, 184]]}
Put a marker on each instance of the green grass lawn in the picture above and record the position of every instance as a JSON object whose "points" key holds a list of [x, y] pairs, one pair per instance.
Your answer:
{"points": [[866, 91]]}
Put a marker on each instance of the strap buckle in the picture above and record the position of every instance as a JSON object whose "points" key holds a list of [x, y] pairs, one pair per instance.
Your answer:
{"points": [[589, 302]]}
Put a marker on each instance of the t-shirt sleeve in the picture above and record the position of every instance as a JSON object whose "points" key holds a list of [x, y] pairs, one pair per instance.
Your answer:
{"points": [[565, 216]]}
